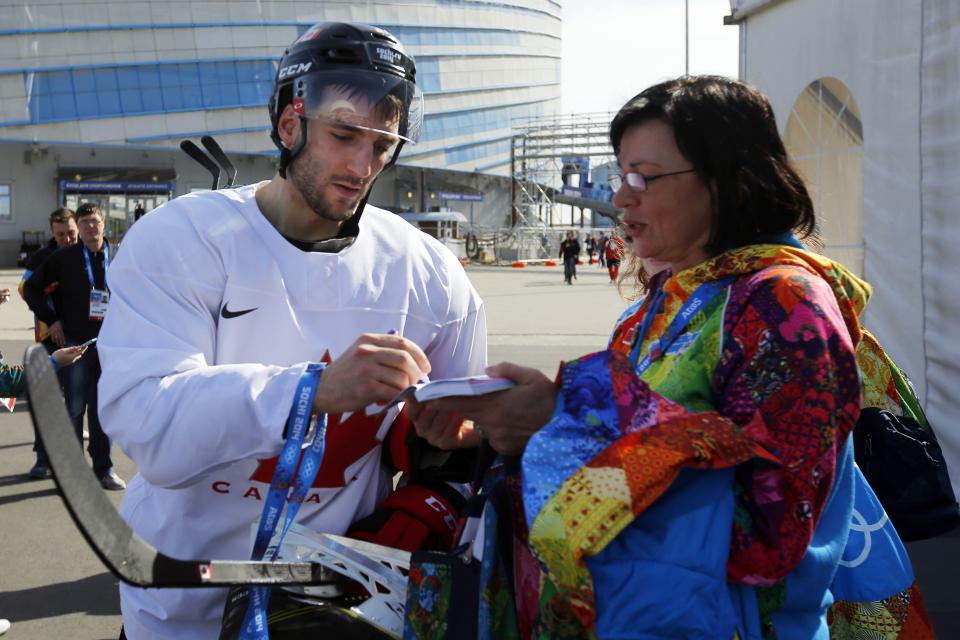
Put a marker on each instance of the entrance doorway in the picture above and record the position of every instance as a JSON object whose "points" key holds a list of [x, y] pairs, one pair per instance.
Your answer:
{"points": [[117, 200]]}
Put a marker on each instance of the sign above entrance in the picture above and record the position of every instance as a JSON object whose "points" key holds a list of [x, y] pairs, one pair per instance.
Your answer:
{"points": [[462, 197], [93, 186]]}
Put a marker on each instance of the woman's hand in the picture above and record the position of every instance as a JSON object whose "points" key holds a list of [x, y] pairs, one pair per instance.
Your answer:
{"points": [[442, 429], [507, 419]]}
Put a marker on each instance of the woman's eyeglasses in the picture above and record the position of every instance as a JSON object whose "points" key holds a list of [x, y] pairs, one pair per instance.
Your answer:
{"points": [[637, 181]]}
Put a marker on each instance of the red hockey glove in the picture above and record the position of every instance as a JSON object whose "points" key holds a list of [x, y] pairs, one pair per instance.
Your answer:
{"points": [[413, 518]]}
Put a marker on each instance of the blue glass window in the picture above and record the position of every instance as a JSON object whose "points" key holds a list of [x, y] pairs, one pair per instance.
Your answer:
{"points": [[106, 81], [100, 92], [6, 204], [86, 94]]}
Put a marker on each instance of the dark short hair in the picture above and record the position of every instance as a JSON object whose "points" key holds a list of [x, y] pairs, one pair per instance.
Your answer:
{"points": [[61, 215], [89, 209], [386, 107], [727, 130]]}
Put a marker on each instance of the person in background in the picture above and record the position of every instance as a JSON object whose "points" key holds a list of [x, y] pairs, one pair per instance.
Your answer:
{"points": [[63, 228], [82, 298], [708, 448], [591, 248], [613, 252], [570, 253], [602, 250]]}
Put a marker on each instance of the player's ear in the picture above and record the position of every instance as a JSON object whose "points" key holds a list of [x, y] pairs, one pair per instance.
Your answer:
{"points": [[288, 127]]}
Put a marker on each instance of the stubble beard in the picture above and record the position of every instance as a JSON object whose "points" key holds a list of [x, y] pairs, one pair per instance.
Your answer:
{"points": [[302, 173]]}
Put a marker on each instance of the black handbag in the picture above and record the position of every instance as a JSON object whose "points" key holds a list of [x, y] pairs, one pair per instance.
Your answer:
{"points": [[905, 466]]}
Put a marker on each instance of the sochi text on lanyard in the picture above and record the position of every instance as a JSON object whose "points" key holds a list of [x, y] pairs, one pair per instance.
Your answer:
{"points": [[697, 301], [255, 622]]}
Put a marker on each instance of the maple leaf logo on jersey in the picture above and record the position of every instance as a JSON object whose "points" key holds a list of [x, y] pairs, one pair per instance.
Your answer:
{"points": [[347, 441]]}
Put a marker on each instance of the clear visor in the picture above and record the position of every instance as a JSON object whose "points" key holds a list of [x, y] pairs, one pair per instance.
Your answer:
{"points": [[358, 99]]}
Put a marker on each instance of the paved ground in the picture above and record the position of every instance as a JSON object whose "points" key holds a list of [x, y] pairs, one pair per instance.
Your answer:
{"points": [[53, 586]]}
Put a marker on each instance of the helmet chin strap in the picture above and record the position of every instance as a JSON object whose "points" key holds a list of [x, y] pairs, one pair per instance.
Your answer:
{"points": [[396, 154]]}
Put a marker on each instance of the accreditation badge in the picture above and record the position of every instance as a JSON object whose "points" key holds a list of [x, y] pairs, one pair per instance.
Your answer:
{"points": [[98, 304]]}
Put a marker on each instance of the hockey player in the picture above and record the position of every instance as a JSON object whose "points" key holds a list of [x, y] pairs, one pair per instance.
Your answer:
{"points": [[219, 300]]}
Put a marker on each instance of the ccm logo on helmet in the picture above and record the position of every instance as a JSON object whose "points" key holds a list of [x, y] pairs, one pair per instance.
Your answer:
{"points": [[295, 69]]}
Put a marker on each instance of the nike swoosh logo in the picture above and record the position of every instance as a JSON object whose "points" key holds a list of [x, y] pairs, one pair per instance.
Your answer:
{"points": [[226, 313]]}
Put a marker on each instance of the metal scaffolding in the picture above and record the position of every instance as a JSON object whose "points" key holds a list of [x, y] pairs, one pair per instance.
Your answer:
{"points": [[542, 152]]}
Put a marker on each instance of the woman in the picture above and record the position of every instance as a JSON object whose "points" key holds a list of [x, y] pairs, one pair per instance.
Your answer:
{"points": [[696, 479]]}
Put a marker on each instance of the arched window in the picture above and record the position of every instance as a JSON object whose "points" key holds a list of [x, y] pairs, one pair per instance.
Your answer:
{"points": [[824, 137]]}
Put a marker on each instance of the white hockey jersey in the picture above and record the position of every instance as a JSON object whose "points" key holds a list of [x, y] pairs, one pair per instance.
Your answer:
{"points": [[213, 315]]}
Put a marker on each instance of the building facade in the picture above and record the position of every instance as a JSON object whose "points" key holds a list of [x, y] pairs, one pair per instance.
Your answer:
{"points": [[95, 98]]}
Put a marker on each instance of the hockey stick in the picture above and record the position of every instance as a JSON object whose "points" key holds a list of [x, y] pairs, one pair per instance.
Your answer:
{"points": [[191, 149], [214, 149], [125, 553]]}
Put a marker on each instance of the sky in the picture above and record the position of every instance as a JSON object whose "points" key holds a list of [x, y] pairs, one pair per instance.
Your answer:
{"points": [[613, 49]]}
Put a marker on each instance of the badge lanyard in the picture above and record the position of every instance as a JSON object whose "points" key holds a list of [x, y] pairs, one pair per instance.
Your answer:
{"points": [[99, 298], [697, 301], [106, 263], [286, 474]]}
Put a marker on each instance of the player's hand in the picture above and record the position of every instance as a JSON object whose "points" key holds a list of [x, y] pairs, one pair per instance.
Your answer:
{"points": [[68, 355], [507, 419], [375, 368], [442, 429], [56, 334]]}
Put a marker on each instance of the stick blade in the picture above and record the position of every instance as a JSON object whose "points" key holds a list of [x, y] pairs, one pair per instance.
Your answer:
{"points": [[216, 151], [191, 149], [121, 550]]}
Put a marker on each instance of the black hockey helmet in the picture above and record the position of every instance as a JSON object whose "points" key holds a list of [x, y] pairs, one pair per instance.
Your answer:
{"points": [[352, 74]]}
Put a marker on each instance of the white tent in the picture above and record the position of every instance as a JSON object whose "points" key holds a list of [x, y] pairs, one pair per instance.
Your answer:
{"points": [[867, 95]]}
